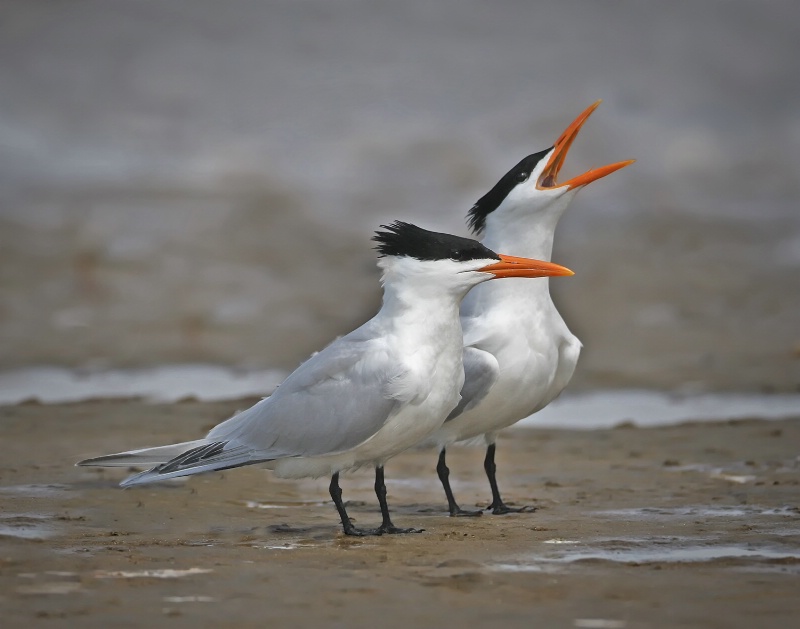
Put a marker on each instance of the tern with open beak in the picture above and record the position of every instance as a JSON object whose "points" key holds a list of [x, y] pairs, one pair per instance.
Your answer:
{"points": [[518, 352], [369, 395]]}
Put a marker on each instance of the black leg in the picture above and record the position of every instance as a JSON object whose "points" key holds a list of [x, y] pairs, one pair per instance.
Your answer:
{"points": [[347, 525], [380, 490], [498, 507], [444, 475]]}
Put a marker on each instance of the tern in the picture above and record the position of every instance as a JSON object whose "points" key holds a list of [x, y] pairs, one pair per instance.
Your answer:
{"points": [[519, 353], [369, 395]]}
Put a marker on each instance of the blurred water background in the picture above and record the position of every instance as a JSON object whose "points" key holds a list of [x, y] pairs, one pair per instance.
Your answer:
{"points": [[194, 181]]}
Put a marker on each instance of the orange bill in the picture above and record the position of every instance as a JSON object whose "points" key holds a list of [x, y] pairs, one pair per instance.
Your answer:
{"points": [[511, 266], [549, 176]]}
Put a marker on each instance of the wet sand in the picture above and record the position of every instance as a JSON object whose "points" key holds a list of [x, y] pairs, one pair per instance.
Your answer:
{"points": [[694, 526]]}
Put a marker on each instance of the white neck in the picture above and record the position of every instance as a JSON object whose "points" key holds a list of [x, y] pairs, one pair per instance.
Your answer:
{"points": [[422, 298], [418, 302], [530, 236], [525, 225], [516, 230]]}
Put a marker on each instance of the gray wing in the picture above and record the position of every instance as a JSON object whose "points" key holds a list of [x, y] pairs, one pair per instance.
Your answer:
{"points": [[333, 402], [480, 373]]}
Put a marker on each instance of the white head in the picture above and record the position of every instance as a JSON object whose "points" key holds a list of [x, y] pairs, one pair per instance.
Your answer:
{"points": [[530, 193], [432, 265]]}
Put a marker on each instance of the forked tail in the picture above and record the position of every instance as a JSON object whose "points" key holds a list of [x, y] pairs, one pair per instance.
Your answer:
{"points": [[179, 459]]}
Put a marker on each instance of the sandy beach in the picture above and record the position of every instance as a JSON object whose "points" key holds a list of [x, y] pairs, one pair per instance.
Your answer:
{"points": [[695, 525]]}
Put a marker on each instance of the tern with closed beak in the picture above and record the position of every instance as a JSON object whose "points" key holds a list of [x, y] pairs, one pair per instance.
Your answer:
{"points": [[367, 396]]}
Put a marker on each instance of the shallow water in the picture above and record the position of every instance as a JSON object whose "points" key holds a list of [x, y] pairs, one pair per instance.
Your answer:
{"points": [[171, 383], [34, 491], [773, 544], [700, 511], [168, 383], [676, 550], [605, 409], [31, 526]]}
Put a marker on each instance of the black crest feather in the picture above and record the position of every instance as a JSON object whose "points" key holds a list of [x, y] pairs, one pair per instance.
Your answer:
{"points": [[405, 239], [489, 202]]}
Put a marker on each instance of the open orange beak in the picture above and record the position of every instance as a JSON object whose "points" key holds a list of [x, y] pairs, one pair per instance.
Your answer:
{"points": [[549, 177], [511, 266]]}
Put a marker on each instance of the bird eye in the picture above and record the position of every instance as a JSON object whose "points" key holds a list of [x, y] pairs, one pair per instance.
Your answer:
{"points": [[523, 176]]}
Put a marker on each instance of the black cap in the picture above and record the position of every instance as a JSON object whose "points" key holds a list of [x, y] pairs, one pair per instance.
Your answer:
{"points": [[405, 239], [489, 202]]}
